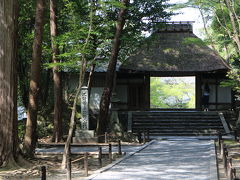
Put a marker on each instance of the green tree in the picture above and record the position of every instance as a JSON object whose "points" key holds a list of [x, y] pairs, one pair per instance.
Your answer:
{"points": [[57, 81], [8, 83], [172, 93], [105, 99], [140, 17], [31, 125]]}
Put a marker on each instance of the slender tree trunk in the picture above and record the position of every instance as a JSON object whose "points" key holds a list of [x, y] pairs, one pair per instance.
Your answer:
{"points": [[93, 65], [74, 107], [31, 126], [8, 82], [236, 16], [233, 23], [57, 132], [95, 46], [107, 92], [90, 79], [227, 30], [73, 114], [206, 30]]}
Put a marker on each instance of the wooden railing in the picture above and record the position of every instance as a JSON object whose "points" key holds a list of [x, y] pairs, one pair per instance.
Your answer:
{"points": [[229, 170], [85, 159]]}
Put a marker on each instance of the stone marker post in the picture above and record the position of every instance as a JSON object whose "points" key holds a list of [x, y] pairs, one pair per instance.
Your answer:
{"points": [[84, 109], [82, 133]]}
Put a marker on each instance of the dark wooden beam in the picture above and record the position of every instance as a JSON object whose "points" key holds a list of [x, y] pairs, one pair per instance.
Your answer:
{"points": [[198, 90], [147, 91], [216, 92]]}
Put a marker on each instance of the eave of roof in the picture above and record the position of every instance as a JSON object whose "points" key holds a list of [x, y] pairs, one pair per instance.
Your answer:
{"points": [[174, 52]]}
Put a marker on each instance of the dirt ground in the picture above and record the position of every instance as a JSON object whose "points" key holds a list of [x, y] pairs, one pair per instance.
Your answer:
{"points": [[31, 170]]}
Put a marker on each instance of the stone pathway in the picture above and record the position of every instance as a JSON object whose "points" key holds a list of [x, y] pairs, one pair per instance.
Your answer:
{"points": [[181, 159]]}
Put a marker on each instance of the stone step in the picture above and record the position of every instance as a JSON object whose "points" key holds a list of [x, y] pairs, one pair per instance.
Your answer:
{"points": [[176, 124], [176, 128], [183, 134], [175, 121], [174, 113], [174, 132], [176, 117]]}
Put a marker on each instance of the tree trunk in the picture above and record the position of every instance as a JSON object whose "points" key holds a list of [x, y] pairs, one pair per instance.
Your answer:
{"points": [[44, 91], [233, 23], [8, 82], [206, 30], [90, 79], [73, 114], [105, 99], [57, 132], [74, 107], [31, 126]]}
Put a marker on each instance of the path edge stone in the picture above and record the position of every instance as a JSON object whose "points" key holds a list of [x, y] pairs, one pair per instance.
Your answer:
{"points": [[213, 162]]}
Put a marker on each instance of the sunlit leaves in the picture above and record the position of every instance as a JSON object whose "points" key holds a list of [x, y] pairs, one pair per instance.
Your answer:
{"points": [[192, 41], [172, 93]]}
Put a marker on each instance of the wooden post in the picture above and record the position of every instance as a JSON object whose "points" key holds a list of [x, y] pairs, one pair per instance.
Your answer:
{"points": [[110, 153], [144, 137], [216, 95], [86, 163], [222, 149], [100, 156], [225, 155], [230, 162], [119, 147], [129, 121], [230, 174], [235, 135], [229, 169], [106, 137], [140, 137], [234, 173], [69, 168], [148, 136], [219, 142], [198, 91], [43, 170]]}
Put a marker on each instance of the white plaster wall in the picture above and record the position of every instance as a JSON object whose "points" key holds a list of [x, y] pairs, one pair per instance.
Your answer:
{"points": [[96, 94], [224, 94]]}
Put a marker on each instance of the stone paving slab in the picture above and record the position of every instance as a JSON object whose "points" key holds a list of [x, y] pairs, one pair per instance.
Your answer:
{"points": [[186, 159]]}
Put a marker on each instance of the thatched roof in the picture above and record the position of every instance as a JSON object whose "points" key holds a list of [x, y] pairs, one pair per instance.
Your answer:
{"points": [[176, 52]]}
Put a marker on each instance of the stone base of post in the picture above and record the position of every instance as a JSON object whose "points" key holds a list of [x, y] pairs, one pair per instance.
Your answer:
{"points": [[84, 136]]}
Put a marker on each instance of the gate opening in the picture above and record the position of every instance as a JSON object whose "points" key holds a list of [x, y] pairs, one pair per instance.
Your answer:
{"points": [[173, 92]]}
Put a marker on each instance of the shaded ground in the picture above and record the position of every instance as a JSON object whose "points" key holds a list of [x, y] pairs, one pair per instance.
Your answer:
{"points": [[51, 158], [53, 165]]}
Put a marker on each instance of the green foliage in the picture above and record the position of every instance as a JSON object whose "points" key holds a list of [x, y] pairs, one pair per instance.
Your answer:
{"points": [[172, 93], [234, 80], [21, 130], [222, 29], [78, 19], [221, 32]]}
